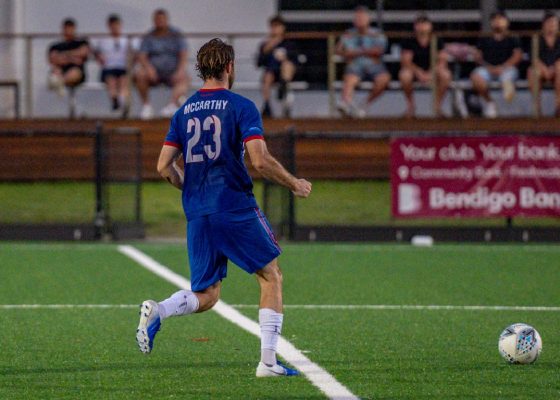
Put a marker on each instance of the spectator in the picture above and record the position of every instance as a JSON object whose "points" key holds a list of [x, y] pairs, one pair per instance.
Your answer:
{"points": [[416, 65], [279, 59], [498, 56], [112, 54], [547, 66], [162, 59], [67, 59], [362, 47]]}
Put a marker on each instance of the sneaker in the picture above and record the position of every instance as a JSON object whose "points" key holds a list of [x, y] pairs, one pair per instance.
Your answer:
{"points": [[357, 112], [169, 110], [343, 108], [264, 371], [490, 110], [56, 83], [509, 91], [147, 112], [148, 326]]}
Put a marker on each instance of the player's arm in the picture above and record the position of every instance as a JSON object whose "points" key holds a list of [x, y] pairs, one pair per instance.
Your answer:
{"points": [[271, 169], [168, 168]]}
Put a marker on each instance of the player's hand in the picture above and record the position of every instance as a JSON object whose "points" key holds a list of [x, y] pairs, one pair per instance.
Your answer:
{"points": [[302, 188]]}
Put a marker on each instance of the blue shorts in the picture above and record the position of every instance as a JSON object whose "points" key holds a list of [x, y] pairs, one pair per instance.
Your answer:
{"points": [[242, 236]]}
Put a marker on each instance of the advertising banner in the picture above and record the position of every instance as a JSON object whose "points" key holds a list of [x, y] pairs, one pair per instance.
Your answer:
{"points": [[475, 176]]}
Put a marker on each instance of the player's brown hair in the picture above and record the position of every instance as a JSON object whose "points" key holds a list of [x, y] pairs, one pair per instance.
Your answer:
{"points": [[213, 58]]}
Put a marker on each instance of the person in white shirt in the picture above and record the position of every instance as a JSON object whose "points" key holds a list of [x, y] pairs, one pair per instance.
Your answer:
{"points": [[112, 54]]}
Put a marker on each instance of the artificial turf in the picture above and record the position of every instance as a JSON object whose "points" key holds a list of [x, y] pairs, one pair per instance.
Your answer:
{"points": [[377, 354]]}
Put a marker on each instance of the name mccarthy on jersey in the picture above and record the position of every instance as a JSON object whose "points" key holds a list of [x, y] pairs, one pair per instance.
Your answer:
{"points": [[205, 105]]}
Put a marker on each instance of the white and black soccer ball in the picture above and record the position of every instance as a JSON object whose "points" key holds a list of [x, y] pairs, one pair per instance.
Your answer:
{"points": [[520, 344]]}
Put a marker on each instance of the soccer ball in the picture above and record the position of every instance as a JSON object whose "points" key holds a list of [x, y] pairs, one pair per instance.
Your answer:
{"points": [[520, 344]]}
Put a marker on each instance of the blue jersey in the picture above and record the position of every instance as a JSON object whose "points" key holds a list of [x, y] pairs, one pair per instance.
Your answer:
{"points": [[211, 129]]}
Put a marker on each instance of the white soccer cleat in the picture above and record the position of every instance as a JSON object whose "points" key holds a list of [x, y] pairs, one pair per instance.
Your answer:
{"points": [[264, 371], [148, 326]]}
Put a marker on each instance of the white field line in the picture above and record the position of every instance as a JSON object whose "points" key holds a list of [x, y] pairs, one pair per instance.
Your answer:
{"points": [[306, 307], [58, 306], [315, 374], [406, 307]]}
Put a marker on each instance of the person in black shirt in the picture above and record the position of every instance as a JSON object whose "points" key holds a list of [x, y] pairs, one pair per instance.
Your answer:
{"points": [[67, 59], [498, 56], [547, 66], [277, 56], [416, 65]]}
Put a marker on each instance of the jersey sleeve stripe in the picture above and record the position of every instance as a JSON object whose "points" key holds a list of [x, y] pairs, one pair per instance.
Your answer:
{"points": [[168, 143], [253, 137]]}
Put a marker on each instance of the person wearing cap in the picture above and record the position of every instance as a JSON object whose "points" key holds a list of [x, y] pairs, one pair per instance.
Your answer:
{"points": [[547, 66], [362, 47], [112, 54], [67, 59], [498, 56], [416, 65], [278, 57]]}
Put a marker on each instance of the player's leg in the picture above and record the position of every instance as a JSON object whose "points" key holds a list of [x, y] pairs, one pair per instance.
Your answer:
{"points": [[246, 238], [406, 77], [270, 310], [208, 268]]}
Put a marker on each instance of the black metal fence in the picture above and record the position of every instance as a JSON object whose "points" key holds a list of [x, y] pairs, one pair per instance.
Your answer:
{"points": [[351, 198], [70, 184]]}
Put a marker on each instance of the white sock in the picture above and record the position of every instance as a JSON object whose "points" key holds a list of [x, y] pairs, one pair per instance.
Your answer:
{"points": [[271, 328], [183, 302]]}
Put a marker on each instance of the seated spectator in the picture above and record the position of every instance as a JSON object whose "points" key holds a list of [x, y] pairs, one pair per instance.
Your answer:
{"points": [[416, 65], [547, 66], [279, 59], [112, 54], [162, 60], [499, 56], [67, 59], [362, 48]]}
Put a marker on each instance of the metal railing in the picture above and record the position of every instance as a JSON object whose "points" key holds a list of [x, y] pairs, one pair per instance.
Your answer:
{"points": [[330, 39]]}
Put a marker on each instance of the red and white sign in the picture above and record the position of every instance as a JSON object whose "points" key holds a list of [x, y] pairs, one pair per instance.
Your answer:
{"points": [[475, 176]]}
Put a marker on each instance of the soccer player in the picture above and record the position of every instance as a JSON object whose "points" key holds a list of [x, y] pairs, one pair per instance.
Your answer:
{"points": [[211, 130]]}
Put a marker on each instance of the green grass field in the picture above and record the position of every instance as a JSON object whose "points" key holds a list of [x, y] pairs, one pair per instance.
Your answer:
{"points": [[332, 203], [77, 353]]}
